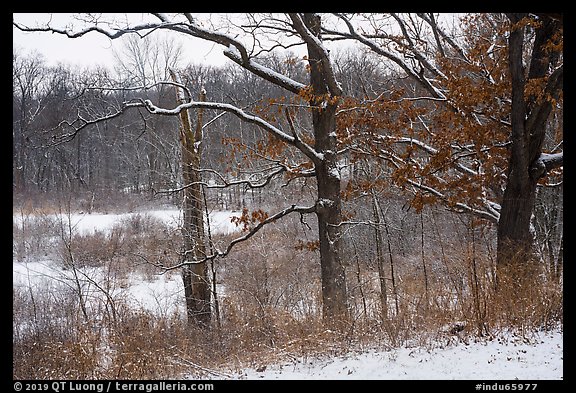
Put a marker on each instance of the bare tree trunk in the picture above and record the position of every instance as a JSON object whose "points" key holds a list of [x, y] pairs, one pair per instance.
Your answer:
{"points": [[329, 205], [380, 257], [392, 276], [359, 280], [423, 254], [560, 261], [195, 274]]}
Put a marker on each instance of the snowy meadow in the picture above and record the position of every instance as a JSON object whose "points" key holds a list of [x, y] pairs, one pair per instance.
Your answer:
{"points": [[92, 289]]}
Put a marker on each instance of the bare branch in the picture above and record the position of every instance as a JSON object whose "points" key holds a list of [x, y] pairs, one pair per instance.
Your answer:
{"points": [[112, 34], [302, 146], [430, 150], [352, 33], [235, 50], [492, 208], [440, 32], [292, 209], [545, 163], [225, 183]]}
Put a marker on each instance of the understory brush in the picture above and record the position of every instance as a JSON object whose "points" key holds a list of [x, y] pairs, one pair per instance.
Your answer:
{"points": [[82, 324]]}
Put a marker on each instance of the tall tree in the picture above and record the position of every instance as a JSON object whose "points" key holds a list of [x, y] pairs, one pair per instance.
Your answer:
{"points": [[469, 130], [535, 90], [195, 268]]}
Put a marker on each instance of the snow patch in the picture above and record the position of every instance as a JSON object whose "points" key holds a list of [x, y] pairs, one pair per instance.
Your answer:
{"points": [[325, 202], [334, 172], [491, 360], [163, 295], [220, 221]]}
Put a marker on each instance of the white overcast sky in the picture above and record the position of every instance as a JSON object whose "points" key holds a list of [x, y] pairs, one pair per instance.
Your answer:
{"points": [[96, 49], [93, 48]]}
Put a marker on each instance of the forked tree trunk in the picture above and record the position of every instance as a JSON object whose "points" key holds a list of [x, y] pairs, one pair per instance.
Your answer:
{"points": [[529, 116], [195, 275]]}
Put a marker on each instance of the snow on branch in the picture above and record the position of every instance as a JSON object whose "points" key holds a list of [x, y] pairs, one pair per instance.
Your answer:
{"points": [[80, 122], [267, 73], [428, 149], [234, 50], [224, 183], [249, 118], [112, 34], [545, 163], [552, 161], [491, 212], [312, 40]]}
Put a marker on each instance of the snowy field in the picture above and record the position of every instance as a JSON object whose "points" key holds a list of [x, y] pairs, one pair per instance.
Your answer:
{"points": [[540, 357], [162, 294], [220, 221]]}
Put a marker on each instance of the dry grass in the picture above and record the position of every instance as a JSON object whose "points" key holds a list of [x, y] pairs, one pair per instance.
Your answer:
{"points": [[270, 302]]}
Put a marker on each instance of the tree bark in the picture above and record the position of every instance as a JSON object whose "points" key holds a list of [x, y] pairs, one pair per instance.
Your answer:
{"points": [[195, 274], [329, 204], [529, 115]]}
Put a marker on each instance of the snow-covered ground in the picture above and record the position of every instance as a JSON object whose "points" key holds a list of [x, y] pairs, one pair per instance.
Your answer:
{"points": [[541, 358], [160, 294], [538, 357]]}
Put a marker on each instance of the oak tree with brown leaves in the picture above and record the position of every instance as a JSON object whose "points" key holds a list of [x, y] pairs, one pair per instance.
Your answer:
{"points": [[475, 128]]}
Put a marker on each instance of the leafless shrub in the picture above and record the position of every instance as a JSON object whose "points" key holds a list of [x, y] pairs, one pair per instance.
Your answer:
{"points": [[33, 234]]}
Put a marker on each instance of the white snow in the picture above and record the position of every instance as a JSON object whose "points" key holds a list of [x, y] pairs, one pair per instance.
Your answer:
{"points": [[160, 293], [325, 203], [334, 172], [220, 221], [164, 295], [30, 273], [550, 159], [541, 358]]}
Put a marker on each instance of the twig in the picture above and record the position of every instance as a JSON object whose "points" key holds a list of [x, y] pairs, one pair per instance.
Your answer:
{"points": [[186, 362]]}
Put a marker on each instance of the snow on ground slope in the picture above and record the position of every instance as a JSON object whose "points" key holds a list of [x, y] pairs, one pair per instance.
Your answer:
{"points": [[541, 359]]}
